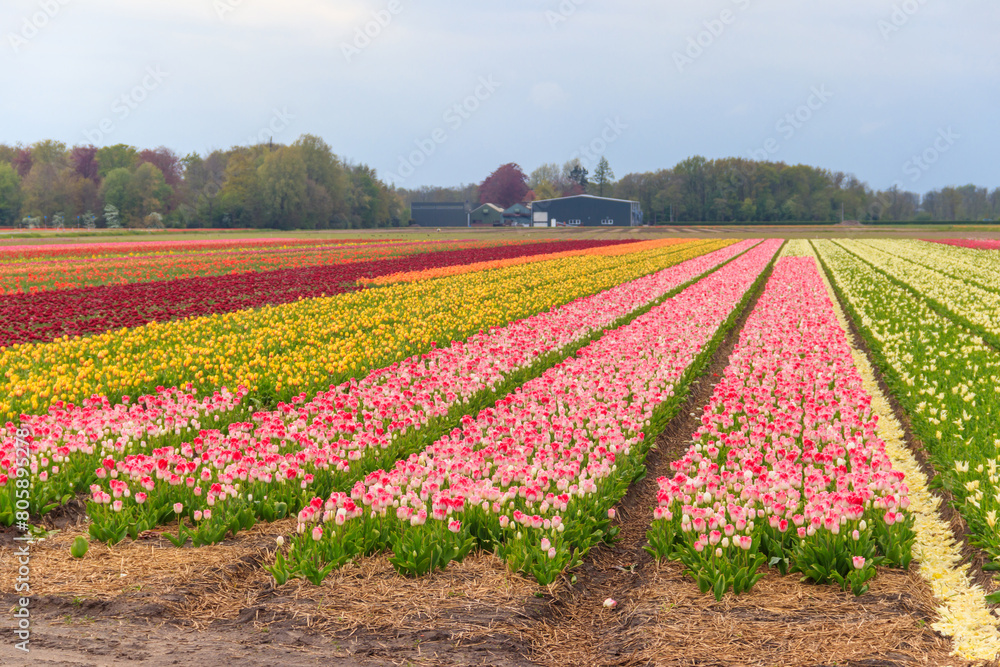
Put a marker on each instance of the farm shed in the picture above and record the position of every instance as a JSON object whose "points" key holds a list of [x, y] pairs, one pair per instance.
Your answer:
{"points": [[517, 215], [440, 214], [488, 215], [586, 211]]}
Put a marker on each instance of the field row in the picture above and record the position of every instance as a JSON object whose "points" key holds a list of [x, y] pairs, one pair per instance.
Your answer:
{"points": [[70, 272], [45, 316], [535, 476], [942, 372], [280, 351], [507, 401], [353, 420], [786, 468]]}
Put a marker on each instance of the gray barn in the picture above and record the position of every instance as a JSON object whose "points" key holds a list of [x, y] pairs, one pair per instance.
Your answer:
{"points": [[586, 211], [440, 214]]}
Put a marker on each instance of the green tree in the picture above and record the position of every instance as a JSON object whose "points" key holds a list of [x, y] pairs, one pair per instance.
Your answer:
{"points": [[10, 195], [45, 189], [603, 176], [49, 152], [148, 192], [119, 156], [283, 188], [328, 194], [545, 190], [116, 191], [240, 195]]}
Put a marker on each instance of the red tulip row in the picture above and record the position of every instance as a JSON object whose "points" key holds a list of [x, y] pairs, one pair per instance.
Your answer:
{"points": [[144, 266], [28, 318]]}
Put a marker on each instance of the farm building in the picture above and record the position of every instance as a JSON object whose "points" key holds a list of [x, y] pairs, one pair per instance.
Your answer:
{"points": [[440, 214], [487, 215], [517, 215], [586, 211]]}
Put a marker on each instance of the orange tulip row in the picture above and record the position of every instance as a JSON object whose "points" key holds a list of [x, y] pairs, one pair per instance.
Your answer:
{"points": [[443, 271]]}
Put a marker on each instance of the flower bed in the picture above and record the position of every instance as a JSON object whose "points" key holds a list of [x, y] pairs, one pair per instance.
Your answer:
{"points": [[536, 475], [786, 469]]}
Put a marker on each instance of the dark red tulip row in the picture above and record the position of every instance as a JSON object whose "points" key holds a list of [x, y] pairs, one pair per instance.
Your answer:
{"points": [[56, 250], [45, 316]]}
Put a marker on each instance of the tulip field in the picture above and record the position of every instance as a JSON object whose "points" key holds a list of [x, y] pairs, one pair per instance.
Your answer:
{"points": [[595, 434]]}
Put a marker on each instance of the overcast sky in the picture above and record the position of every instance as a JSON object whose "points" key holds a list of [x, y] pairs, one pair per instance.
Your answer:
{"points": [[441, 93]]}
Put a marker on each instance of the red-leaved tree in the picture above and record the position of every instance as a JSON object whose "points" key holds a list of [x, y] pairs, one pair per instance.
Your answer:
{"points": [[166, 161], [84, 162], [504, 187]]}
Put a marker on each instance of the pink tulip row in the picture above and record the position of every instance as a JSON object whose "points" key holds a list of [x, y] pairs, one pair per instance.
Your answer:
{"points": [[358, 421], [545, 463], [787, 452], [417, 389], [155, 416], [328, 434], [67, 442]]}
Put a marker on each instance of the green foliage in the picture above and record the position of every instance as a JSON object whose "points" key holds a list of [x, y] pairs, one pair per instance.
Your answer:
{"points": [[119, 156], [603, 176], [10, 195], [116, 191], [419, 550], [282, 184]]}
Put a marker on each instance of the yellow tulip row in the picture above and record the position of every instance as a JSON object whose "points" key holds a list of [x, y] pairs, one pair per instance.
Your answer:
{"points": [[280, 351]]}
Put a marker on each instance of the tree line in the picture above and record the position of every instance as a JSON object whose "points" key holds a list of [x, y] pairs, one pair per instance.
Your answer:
{"points": [[306, 186], [299, 186], [735, 190]]}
